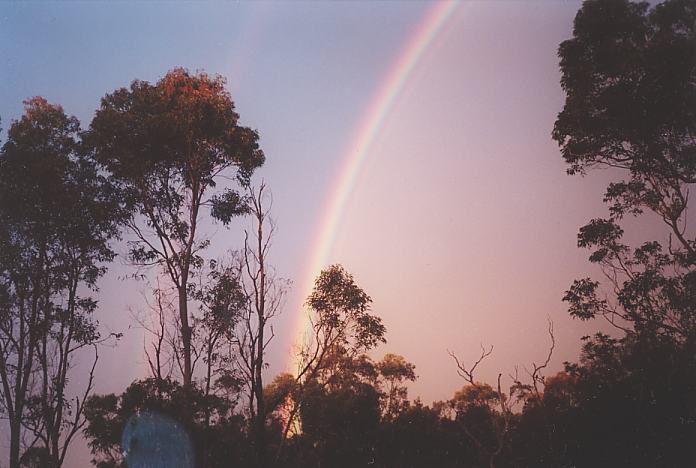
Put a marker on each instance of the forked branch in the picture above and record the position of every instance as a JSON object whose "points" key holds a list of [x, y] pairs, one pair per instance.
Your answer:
{"points": [[467, 373]]}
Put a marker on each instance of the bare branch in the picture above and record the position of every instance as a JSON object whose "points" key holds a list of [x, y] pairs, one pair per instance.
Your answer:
{"points": [[467, 373]]}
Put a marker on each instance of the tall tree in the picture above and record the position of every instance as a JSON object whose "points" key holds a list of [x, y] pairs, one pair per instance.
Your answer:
{"points": [[265, 293], [168, 145], [51, 256], [342, 328], [341, 323], [629, 74]]}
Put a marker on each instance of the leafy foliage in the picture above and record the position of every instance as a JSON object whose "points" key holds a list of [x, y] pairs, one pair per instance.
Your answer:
{"points": [[167, 146], [217, 438], [629, 74], [57, 216], [343, 307]]}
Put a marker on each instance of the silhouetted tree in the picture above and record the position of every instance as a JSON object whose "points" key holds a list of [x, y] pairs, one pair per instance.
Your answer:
{"points": [[216, 432], [394, 371], [342, 328], [159, 341], [629, 74], [57, 215], [168, 145], [278, 396], [482, 413], [222, 301], [340, 318], [420, 436], [488, 416], [340, 413], [265, 293]]}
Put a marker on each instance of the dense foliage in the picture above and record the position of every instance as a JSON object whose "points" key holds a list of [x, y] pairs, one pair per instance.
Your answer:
{"points": [[57, 216]]}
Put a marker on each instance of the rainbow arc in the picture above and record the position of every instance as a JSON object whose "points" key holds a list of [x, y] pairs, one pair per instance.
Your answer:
{"points": [[372, 122]]}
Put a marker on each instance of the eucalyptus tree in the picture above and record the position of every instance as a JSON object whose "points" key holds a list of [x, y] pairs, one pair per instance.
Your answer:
{"points": [[168, 145], [342, 328], [395, 371], [341, 322], [57, 216], [265, 293], [629, 73]]}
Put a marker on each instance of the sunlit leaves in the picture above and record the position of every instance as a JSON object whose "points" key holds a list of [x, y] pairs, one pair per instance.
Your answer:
{"points": [[167, 144]]}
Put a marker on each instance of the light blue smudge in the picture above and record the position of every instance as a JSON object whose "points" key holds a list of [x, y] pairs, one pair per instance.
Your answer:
{"points": [[151, 440]]}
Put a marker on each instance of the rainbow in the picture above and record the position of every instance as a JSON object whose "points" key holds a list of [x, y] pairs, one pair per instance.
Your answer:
{"points": [[372, 122]]}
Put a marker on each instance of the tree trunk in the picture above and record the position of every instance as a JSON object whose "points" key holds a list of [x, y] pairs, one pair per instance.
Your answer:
{"points": [[260, 406], [261, 314], [185, 331], [14, 442]]}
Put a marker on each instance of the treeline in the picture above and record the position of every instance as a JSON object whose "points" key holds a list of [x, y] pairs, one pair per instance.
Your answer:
{"points": [[159, 161]]}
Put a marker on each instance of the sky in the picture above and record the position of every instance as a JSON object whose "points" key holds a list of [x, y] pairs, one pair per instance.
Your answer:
{"points": [[460, 221]]}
